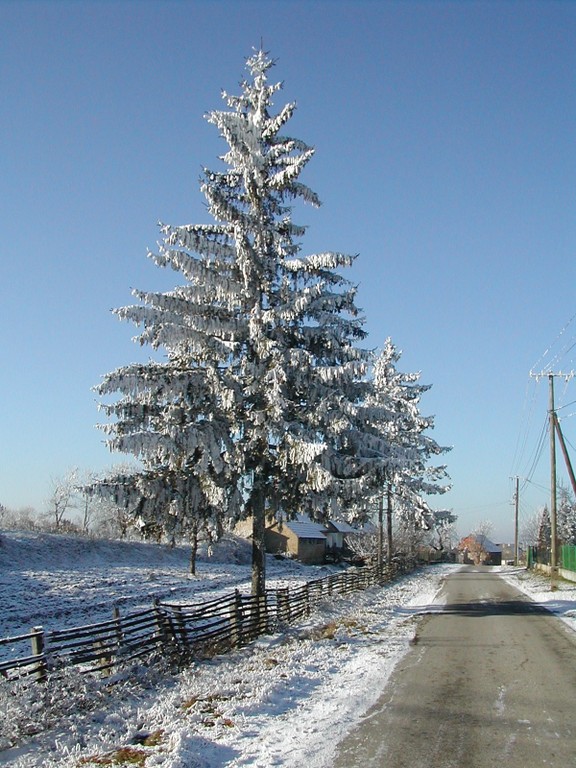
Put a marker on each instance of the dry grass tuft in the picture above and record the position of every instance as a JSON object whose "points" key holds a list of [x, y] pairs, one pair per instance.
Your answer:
{"points": [[122, 756]]}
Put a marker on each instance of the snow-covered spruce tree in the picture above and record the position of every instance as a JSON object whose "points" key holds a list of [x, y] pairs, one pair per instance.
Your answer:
{"points": [[260, 342], [544, 542], [394, 423], [566, 516]]}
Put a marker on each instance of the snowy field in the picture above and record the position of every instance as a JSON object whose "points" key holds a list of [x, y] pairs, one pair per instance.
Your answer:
{"points": [[283, 701], [65, 581]]}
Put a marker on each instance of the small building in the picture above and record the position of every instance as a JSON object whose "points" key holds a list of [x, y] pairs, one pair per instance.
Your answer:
{"points": [[301, 538], [477, 549], [336, 533]]}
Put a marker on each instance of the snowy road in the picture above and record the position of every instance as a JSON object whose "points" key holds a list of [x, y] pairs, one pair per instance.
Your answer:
{"points": [[490, 680]]}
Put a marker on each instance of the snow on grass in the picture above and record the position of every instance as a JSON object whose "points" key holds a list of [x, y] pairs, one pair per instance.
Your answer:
{"points": [[66, 581], [284, 700]]}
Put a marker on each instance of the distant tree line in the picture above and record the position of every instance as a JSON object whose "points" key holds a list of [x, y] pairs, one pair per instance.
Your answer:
{"points": [[70, 509]]}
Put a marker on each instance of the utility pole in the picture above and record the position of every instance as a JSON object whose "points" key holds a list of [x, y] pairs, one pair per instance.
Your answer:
{"points": [[389, 522], [565, 454], [516, 504], [553, 513], [553, 518]]}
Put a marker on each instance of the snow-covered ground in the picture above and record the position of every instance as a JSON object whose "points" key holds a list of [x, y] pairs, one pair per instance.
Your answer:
{"points": [[66, 581], [284, 700], [561, 602]]}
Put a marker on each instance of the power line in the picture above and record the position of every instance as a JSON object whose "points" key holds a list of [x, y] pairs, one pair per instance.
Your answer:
{"points": [[540, 487], [547, 351], [522, 439], [559, 407], [537, 453]]}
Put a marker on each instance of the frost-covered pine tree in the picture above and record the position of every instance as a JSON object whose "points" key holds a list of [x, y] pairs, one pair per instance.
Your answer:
{"points": [[544, 534], [262, 367], [393, 413], [566, 515]]}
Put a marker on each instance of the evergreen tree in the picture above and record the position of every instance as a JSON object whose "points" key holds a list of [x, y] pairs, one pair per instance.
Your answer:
{"points": [[399, 435], [262, 372], [566, 514], [544, 535]]}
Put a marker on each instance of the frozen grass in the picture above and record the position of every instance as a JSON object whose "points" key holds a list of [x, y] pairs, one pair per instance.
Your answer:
{"points": [[282, 700]]}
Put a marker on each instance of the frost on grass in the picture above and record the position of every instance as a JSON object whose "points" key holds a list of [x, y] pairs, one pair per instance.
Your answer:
{"points": [[274, 702]]}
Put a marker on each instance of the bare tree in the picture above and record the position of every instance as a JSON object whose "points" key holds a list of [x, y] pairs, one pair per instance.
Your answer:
{"points": [[529, 531], [23, 519], [443, 532], [62, 498], [477, 542]]}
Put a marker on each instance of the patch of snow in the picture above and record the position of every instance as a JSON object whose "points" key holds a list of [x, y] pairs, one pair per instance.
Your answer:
{"points": [[561, 601]]}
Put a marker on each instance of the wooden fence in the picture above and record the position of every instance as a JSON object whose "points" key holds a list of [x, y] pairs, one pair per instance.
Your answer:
{"points": [[183, 630]]}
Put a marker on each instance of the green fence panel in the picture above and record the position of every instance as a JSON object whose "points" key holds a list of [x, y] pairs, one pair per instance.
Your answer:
{"points": [[568, 557]]}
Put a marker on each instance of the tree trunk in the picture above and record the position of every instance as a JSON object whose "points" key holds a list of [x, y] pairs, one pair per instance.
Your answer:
{"points": [[258, 548], [389, 522], [380, 535], [193, 550]]}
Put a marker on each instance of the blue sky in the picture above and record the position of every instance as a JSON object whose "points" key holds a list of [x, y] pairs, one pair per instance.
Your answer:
{"points": [[445, 157]]}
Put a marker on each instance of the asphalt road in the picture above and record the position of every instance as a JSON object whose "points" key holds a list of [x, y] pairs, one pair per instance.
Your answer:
{"points": [[489, 681]]}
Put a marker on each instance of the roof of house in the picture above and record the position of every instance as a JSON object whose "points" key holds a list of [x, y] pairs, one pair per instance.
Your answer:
{"points": [[367, 527], [342, 527], [306, 529], [483, 541]]}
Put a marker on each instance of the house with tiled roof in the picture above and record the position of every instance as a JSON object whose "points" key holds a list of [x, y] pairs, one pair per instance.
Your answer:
{"points": [[477, 549]]}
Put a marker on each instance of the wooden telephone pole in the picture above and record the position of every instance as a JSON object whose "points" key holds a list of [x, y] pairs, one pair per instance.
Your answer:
{"points": [[553, 421], [553, 510], [516, 505]]}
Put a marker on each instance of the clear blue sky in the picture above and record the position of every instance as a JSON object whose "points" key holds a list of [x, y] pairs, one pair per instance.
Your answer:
{"points": [[445, 157]]}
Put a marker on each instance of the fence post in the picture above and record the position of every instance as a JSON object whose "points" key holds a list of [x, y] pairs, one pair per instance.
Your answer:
{"points": [[283, 603], [104, 659], [118, 625], [262, 614], [236, 620], [180, 624], [37, 641], [161, 621]]}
